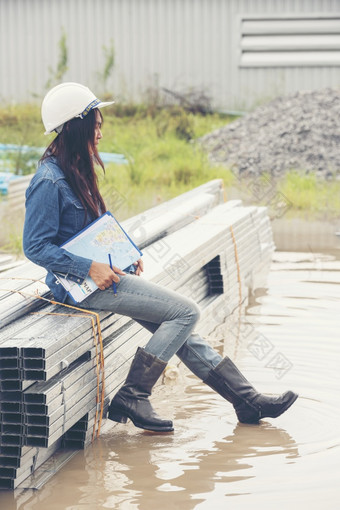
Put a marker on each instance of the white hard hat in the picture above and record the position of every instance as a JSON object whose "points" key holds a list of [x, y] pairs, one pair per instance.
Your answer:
{"points": [[66, 101]]}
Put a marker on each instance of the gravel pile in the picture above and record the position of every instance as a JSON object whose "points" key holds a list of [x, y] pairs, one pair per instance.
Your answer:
{"points": [[300, 131]]}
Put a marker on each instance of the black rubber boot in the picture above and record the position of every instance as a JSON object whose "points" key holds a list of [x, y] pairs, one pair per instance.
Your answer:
{"points": [[250, 406], [131, 401]]}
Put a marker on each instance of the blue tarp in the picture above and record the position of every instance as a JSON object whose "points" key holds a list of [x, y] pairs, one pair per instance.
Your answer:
{"points": [[5, 177]]}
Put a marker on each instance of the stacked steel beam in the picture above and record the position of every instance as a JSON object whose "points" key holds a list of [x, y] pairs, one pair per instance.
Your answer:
{"points": [[17, 299], [48, 365]]}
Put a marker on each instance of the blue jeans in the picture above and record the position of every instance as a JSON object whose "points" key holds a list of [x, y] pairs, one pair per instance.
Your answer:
{"points": [[168, 315]]}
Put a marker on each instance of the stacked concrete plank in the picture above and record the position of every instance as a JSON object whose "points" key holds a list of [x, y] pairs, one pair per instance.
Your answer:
{"points": [[195, 244]]}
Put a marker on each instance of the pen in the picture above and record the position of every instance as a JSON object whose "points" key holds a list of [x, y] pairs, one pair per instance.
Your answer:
{"points": [[113, 283]]}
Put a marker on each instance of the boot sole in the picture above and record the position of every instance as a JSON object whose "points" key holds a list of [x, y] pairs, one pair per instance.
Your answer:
{"points": [[122, 418]]}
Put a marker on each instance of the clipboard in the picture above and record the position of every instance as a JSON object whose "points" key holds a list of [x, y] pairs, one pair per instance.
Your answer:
{"points": [[103, 237]]}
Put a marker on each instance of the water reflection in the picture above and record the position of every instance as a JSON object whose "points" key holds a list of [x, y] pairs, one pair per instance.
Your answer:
{"points": [[127, 468], [184, 464]]}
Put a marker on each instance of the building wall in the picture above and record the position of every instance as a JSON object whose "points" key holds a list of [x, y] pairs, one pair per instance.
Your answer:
{"points": [[177, 44]]}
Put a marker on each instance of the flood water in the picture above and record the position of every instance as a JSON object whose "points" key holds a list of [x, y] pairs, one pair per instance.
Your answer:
{"points": [[287, 339]]}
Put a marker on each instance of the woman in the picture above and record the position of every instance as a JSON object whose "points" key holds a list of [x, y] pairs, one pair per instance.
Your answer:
{"points": [[63, 198]]}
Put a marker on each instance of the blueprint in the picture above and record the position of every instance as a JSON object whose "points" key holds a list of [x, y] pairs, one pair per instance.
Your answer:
{"points": [[103, 238]]}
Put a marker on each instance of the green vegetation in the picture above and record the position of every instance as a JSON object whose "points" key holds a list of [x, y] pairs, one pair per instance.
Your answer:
{"points": [[109, 57], [57, 74], [164, 161], [13, 240], [21, 124], [311, 196]]}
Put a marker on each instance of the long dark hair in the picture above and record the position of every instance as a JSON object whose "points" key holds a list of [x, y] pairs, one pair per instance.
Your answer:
{"points": [[77, 155]]}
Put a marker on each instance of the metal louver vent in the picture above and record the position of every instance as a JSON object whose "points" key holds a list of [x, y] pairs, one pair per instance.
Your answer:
{"points": [[290, 41]]}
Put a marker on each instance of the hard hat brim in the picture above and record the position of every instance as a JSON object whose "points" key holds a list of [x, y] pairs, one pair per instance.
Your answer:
{"points": [[102, 104]]}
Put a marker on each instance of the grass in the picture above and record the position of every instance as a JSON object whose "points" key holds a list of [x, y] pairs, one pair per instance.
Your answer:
{"points": [[21, 124], [311, 196], [11, 230], [164, 161]]}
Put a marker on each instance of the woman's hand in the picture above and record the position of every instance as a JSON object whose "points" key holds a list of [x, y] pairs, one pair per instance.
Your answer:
{"points": [[140, 267], [103, 276]]}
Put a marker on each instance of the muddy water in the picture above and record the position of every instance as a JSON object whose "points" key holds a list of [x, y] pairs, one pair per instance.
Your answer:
{"points": [[288, 338]]}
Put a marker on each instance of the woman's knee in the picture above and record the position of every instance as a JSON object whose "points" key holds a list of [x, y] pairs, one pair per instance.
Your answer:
{"points": [[193, 312]]}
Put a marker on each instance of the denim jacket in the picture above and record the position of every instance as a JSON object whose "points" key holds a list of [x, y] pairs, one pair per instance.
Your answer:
{"points": [[53, 215]]}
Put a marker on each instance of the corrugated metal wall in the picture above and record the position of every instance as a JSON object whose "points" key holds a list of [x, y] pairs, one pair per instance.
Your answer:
{"points": [[171, 43]]}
